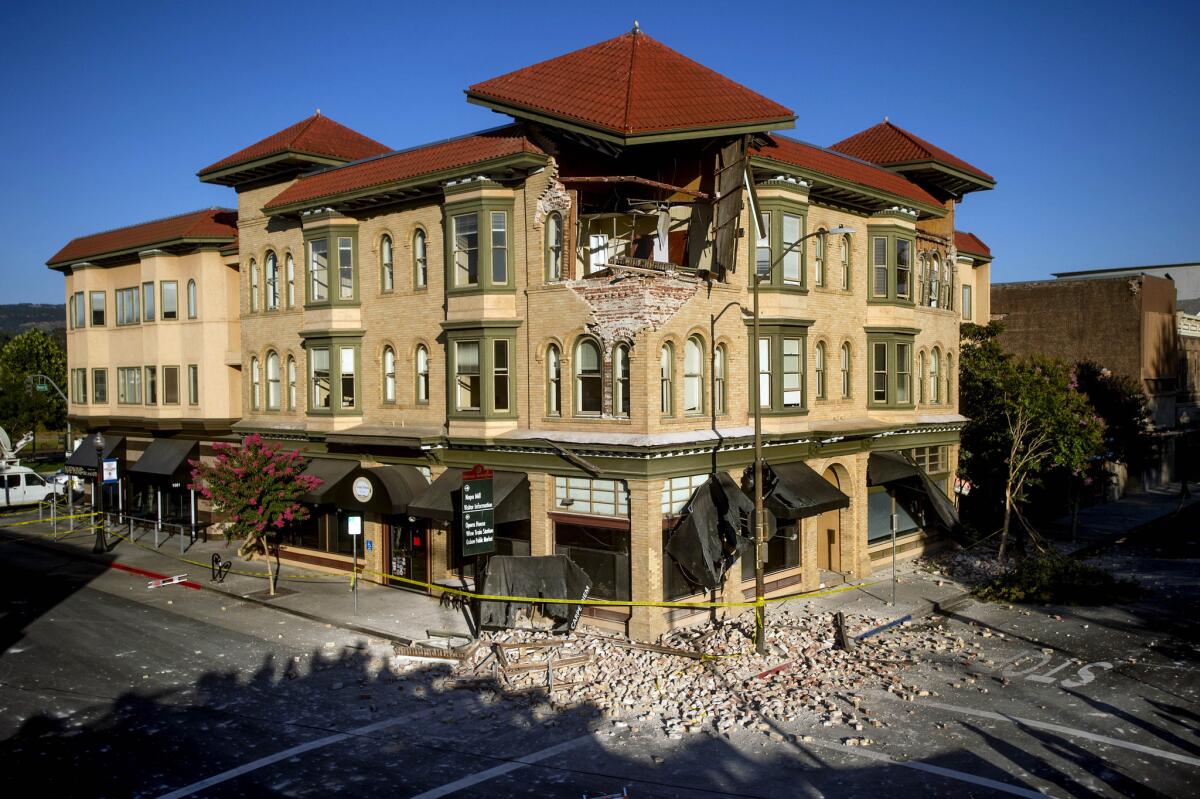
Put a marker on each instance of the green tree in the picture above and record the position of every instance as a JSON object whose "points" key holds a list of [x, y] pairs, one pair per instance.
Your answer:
{"points": [[1121, 404], [1026, 420], [21, 408], [257, 487]]}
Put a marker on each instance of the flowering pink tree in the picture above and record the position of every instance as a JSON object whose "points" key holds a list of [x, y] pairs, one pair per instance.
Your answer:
{"points": [[257, 486]]}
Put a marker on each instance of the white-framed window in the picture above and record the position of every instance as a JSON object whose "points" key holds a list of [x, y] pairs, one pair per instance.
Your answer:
{"points": [[389, 374], [291, 383], [819, 368], [420, 249], [290, 270], [318, 270], [598, 252], [621, 380], [845, 364], [554, 246], [693, 375], [719, 367], [271, 267], [466, 249], [346, 359], [319, 378], [666, 376], [193, 384], [500, 381], [193, 307], [591, 497], [387, 276], [466, 375], [255, 383], [421, 362], [589, 377], [253, 285], [553, 381], [272, 381], [678, 490]]}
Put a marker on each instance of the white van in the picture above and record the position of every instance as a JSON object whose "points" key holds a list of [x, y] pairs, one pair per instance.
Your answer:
{"points": [[20, 485]]}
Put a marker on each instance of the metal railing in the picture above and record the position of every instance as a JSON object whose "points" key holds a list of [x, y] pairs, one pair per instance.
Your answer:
{"points": [[139, 527]]}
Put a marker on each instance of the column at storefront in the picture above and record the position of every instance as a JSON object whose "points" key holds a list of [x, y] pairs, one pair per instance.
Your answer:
{"points": [[646, 569], [541, 504]]}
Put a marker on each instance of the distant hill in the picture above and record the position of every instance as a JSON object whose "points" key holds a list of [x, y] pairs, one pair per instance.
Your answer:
{"points": [[22, 316]]}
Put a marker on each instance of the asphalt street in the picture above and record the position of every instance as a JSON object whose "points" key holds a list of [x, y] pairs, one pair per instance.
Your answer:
{"points": [[111, 688]]}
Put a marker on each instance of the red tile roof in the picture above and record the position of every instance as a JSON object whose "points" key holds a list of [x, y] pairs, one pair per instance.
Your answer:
{"points": [[317, 135], [407, 164], [631, 85], [886, 143], [970, 244], [837, 165], [216, 224]]}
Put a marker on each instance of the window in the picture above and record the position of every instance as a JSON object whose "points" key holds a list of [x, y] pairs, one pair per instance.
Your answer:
{"points": [[466, 375], [290, 270], [553, 381], [127, 306], [255, 383], [782, 552], [846, 262], [921, 376], [151, 385], [879, 266], [422, 361], [762, 249], [949, 377], [904, 268], [345, 268], [621, 380], [819, 259], [934, 283], [666, 368], [193, 384], [499, 247], [291, 383], [80, 310], [588, 379], [593, 497], [97, 302], [934, 376], [764, 373], [129, 385], [272, 381], [318, 271], [389, 374], [554, 246], [966, 303], [319, 378], [466, 249], [693, 376], [253, 285], [845, 370], [819, 363], [879, 371], [148, 302], [191, 299], [793, 387], [346, 362], [79, 386], [170, 299], [793, 230], [903, 374], [719, 366], [170, 385], [387, 275], [500, 401], [598, 254], [100, 386], [271, 267], [602, 553], [420, 260]]}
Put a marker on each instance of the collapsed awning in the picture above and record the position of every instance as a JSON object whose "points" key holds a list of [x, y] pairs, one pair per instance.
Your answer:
{"points": [[793, 491], [914, 491], [167, 459], [386, 490], [82, 462], [547, 576], [442, 500], [330, 472], [715, 530]]}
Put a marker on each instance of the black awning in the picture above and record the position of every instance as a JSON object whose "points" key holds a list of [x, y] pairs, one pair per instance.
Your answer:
{"points": [[887, 467], [392, 489], [82, 462], [714, 532], [793, 491], [913, 490], [547, 576], [167, 459], [443, 497], [330, 472]]}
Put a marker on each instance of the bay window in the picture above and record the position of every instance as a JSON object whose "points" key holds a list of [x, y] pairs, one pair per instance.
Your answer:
{"points": [[148, 302], [891, 258], [890, 353], [466, 376], [170, 299], [100, 386]]}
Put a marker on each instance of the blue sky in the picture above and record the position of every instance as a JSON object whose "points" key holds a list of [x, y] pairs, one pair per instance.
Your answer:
{"points": [[1086, 113]]}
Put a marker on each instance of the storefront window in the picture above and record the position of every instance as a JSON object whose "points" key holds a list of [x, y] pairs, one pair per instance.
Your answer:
{"points": [[783, 552], [601, 552], [879, 517]]}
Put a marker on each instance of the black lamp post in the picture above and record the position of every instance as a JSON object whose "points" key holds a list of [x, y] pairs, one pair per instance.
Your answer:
{"points": [[101, 545]]}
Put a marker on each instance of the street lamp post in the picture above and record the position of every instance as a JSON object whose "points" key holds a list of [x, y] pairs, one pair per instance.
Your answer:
{"points": [[100, 545], [760, 541]]}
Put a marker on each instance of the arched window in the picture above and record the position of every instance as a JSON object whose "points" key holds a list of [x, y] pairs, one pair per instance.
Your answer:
{"points": [[621, 380], [255, 383], [253, 285], [554, 246], [272, 381], [846, 261], [271, 265], [934, 286], [389, 374], [719, 366], [819, 258], [588, 377], [934, 376], [191, 299], [693, 375], [666, 368], [291, 383], [422, 361], [949, 378], [386, 277], [819, 362], [845, 370], [290, 267], [921, 376], [420, 260], [553, 381]]}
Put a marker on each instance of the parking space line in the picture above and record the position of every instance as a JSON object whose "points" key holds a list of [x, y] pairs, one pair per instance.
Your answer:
{"points": [[484, 776]]}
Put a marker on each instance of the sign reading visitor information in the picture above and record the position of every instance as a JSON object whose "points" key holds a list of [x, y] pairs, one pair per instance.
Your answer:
{"points": [[478, 517]]}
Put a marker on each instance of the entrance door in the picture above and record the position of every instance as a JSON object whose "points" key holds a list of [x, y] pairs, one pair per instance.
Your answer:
{"points": [[829, 533], [410, 553]]}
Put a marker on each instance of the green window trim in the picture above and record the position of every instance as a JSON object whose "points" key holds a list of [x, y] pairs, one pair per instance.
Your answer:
{"points": [[896, 346], [333, 346], [483, 208], [491, 379], [775, 209], [332, 235], [889, 246], [786, 375]]}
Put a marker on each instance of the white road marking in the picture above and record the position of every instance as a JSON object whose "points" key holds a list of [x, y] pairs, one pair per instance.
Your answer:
{"points": [[1071, 731], [484, 776], [233, 773], [941, 771]]}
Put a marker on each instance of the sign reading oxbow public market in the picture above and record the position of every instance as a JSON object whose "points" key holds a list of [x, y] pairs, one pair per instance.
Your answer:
{"points": [[478, 517]]}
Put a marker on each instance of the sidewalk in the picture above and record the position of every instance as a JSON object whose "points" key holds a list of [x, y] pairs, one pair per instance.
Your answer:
{"points": [[917, 594], [1128, 515]]}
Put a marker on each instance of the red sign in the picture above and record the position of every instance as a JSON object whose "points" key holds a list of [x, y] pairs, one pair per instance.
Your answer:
{"points": [[477, 472]]}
